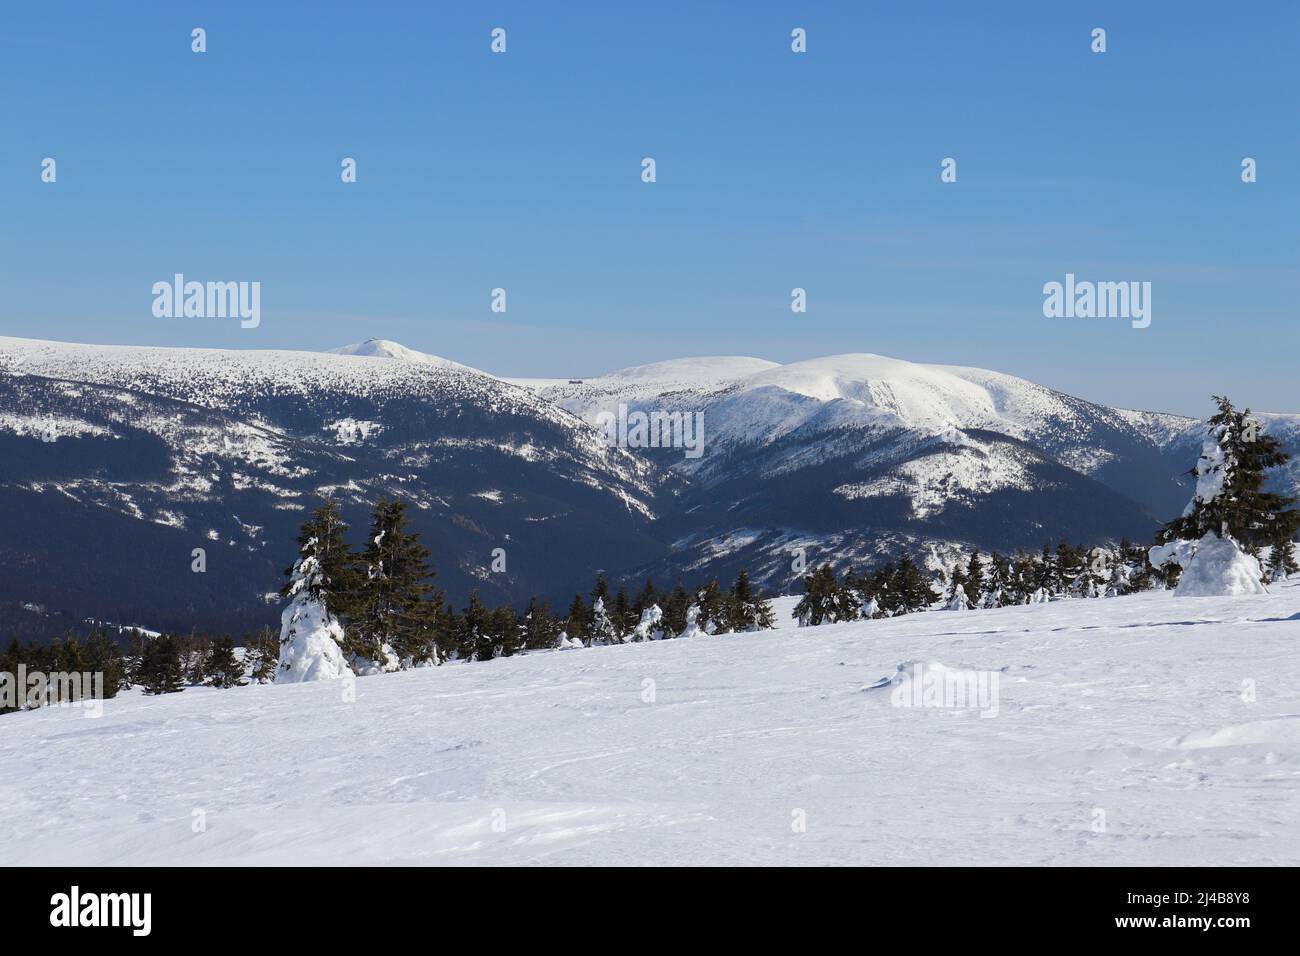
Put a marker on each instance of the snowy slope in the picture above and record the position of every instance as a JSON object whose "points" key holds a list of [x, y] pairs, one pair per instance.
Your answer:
{"points": [[1132, 707]]}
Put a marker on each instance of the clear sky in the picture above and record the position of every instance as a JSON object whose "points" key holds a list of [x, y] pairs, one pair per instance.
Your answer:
{"points": [[775, 170]]}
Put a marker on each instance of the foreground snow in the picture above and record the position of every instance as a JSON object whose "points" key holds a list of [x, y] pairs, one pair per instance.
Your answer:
{"points": [[1130, 707]]}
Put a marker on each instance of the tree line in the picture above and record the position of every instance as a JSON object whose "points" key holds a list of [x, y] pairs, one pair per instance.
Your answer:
{"points": [[394, 617]]}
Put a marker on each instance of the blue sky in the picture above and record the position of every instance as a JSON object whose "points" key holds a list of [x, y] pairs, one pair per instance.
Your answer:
{"points": [[775, 170]]}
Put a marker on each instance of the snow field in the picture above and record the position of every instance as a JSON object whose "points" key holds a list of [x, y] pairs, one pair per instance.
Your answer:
{"points": [[1139, 730]]}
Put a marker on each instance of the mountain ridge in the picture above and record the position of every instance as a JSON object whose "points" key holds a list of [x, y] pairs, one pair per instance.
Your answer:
{"points": [[844, 458]]}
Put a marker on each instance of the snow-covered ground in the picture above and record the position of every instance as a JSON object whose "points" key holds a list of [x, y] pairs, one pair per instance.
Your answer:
{"points": [[1139, 730]]}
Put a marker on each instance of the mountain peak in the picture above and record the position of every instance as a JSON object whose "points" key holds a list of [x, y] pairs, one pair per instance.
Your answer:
{"points": [[386, 348]]}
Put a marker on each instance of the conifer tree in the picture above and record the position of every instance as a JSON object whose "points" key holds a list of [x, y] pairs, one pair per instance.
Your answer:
{"points": [[957, 582], [744, 609], [1230, 473], [674, 608], [104, 656], [1069, 566], [507, 635], [160, 669], [541, 630], [322, 585], [261, 653], [712, 605], [974, 583], [1046, 580], [337, 576], [600, 629], [195, 649], [622, 615], [577, 621], [910, 584], [395, 612], [824, 600], [475, 633], [646, 598], [998, 585], [739, 610], [447, 630], [136, 643], [1282, 560], [223, 667]]}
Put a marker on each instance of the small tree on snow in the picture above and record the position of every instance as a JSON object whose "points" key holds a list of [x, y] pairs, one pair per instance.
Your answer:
{"points": [[601, 629], [311, 638], [1229, 511], [395, 614], [1282, 560], [1229, 500], [648, 628]]}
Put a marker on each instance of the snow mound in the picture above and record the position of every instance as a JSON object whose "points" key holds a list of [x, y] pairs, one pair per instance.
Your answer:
{"points": [[1212, 567], [1283, 732]]}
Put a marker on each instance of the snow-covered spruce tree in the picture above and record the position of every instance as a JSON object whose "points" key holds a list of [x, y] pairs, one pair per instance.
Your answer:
{"points": [[674, 620], [601, 591], [1045, 576], [396, 609], [956, 599], [311, 637], [1229, 500], [600, 629], [1230, 516], [338, 575], [195, 649], [261, 654], [997, 582], [1282, 559], [1024, 576], [649, 595], [648, 628], [692, 628], [321, 585], [1096, 574]]}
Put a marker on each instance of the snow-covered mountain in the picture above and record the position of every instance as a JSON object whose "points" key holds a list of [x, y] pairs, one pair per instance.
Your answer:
{"points": [[845, 458], [850, 456], [157, 451]]}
